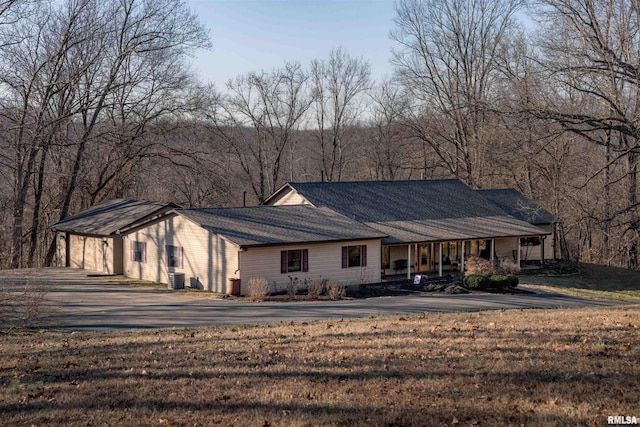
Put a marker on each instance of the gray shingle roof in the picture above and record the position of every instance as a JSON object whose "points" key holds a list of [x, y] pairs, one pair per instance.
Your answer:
{"points": [[517, 205], [418, 211], [269, 225], [382, 201], [443, 230], [108, 217]]}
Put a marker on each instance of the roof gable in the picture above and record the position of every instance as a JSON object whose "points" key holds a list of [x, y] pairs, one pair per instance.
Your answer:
{"points": [[110, 217], [271, 225], [286, 195], [383, 201], [517, 205]]}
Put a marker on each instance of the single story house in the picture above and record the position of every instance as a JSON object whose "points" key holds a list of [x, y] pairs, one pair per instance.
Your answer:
{"points": [[348, 232]]}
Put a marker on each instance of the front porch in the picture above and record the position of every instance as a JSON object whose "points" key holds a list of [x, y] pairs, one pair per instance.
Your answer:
{"points": [[405, 260]]}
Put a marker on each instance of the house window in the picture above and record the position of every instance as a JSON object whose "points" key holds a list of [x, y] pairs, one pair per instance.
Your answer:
{"points": [[138, 251], [354, 256], [294, 260], [174, 256]]}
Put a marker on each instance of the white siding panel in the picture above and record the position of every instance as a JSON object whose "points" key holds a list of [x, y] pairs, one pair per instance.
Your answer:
{"points": [[91, 253], [289, 197], [209, 261], [325, 262]]}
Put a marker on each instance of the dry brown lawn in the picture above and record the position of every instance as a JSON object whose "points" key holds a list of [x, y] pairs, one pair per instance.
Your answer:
{"points": [[531, 367]]}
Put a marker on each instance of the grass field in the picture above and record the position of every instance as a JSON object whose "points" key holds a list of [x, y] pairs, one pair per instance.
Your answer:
{"points": [[591, 281], [532, 367]]}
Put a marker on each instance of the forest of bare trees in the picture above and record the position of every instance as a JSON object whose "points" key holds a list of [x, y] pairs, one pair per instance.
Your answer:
{"points": [[98, 101]]}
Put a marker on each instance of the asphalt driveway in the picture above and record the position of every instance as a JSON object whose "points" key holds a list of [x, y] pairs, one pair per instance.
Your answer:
{"points": [[78, 301]]}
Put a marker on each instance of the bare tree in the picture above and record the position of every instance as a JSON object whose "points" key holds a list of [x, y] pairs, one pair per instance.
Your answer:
{"points": [[258, 120], [593, 54], [389, 151], [38, 82], [80, 73], [340, 84], [447, 60]]}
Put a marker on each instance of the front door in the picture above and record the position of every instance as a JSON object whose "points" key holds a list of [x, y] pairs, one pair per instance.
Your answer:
{"points": [[425, 257]]}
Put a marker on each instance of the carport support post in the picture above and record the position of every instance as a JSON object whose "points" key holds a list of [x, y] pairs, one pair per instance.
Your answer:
{"points": [[492, 248], [440, 259], [67, 249], [409, 261]]}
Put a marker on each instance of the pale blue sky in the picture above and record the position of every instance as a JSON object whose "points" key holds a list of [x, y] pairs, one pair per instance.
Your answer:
{"points": [[254, 35]]}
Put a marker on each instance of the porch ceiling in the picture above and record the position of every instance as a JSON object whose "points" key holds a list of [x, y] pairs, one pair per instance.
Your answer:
{"points": [[451, 229]]}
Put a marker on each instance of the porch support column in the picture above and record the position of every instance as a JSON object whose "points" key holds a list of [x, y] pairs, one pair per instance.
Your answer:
{"points": [[440, 259], [542, 251], [518, 252], [492, 248], [462, 258], [409, 261], [67, 249]]}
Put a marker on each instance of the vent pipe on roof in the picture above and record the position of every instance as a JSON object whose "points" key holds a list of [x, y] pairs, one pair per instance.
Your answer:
{"points": [[244, 199]]}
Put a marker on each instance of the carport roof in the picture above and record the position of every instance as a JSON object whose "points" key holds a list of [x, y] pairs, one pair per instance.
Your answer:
{"points": [[110, 217], [273, 225]]}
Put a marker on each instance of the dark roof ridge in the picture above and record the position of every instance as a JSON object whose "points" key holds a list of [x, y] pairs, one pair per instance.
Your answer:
{"points": [[368, 181], [243, 207]]}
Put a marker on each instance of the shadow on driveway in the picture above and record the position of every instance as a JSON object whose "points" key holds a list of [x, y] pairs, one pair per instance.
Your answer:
{"points": [[79, 302]]}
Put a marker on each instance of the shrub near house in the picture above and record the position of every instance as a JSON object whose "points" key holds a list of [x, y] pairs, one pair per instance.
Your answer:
{"points": [[482, 275], [495, 282]]}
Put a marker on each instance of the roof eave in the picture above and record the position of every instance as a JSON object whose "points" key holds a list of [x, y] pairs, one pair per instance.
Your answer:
{"points": [[82, 233], [302, 242], [410, 242]]}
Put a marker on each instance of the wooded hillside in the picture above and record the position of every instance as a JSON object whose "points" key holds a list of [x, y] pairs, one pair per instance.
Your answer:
{"points": [[97, 102]]}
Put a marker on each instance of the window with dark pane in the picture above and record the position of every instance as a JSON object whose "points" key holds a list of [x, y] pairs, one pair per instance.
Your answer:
{"points": [[294, 260], [354, 256], [138, 251], [174, 256]]}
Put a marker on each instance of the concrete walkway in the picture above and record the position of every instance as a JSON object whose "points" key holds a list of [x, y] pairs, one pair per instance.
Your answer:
{"points": [[78, 301]]}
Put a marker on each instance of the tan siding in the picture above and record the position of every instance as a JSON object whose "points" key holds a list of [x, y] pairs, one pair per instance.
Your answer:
{"points": [[209, 261], [505, 247], [533, 253], [289, 196], [397, 253], [548, 241], [325, 262], [91, 253]]}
